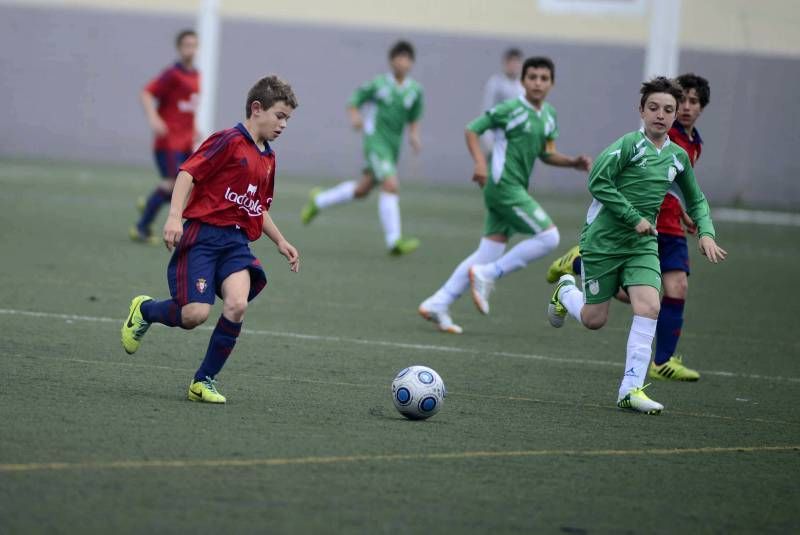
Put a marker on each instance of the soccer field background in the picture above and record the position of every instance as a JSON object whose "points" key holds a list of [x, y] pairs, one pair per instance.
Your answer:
{"points": [[529, 439]]}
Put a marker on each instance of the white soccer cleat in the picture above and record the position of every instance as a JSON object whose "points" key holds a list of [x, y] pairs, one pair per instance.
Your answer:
{"points": [[438, 314], [637, 400], [482, 287], [556, 311]]}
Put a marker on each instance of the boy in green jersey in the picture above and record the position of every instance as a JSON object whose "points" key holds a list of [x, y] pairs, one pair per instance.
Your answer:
{"points": [[618, 242], [525, 129], [381, 108]]}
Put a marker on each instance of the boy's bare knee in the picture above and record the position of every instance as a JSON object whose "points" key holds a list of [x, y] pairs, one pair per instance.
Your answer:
{"points": [[676, 285], [594, 323], [234, 309], [390, 185], [194, 314]]}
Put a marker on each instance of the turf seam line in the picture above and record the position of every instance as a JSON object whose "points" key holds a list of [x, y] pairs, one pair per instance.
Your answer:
{"points": [[400, 345], [323, 460], [452, 393]]}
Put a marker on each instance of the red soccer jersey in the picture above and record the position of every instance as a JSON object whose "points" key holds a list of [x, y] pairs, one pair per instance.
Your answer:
{"points": [[233, 181], [669, 216], [176, 90]]}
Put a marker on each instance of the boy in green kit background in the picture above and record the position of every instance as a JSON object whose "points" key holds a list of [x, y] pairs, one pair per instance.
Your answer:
{"points": [[525, 129], [381, 108]]}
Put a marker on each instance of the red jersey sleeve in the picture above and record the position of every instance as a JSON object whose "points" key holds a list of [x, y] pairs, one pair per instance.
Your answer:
{"points": [[210, 157], [159, 87]]}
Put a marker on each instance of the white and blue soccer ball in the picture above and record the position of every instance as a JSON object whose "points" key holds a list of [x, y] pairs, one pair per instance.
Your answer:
{"points": [[418, 392]]}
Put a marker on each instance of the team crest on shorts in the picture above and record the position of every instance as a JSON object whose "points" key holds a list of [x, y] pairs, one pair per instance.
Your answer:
{"points": [[201, 285], [594, 287]]}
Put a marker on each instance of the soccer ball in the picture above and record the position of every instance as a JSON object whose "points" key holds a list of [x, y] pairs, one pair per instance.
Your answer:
{"points": [[418, 392]]}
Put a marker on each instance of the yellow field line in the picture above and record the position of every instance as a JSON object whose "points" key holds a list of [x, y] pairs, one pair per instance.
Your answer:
{"points": [[462, 455]]}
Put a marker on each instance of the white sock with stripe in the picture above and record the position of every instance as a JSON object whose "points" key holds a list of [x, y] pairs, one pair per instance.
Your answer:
{"points": [[637, 358], [487, 251], [389, 213], [523, 254], [341, 193], [572, 299]]}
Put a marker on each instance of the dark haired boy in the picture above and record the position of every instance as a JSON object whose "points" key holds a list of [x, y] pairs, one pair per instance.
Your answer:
{"points": [[169, 103], [229, 184], [525, 129], [673, 251], [380, 108], [618, 242]]}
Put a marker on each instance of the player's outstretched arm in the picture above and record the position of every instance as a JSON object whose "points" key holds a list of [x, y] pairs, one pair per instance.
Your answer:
{"points": [[355, 118], [709, 248], [157, 124], [552, 157], [413, 137], [288, 250], [173, 228], [480, 172]]}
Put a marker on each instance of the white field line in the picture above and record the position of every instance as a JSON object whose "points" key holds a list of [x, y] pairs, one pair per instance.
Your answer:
{"points": [[401, 345], [759, 217]]}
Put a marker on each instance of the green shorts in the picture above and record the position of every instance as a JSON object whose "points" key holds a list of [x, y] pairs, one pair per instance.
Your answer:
{"points": [[603, 275], [524, 216], [381, 159]]}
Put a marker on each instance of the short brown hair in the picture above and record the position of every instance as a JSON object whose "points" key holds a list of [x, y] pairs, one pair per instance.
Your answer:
{"points": [[183, 34], [660, 84], [268, 91]]}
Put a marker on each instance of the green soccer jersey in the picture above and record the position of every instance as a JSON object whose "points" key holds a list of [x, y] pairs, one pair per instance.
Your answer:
{"points": [[521, 134], [628, 182], [388, 107]]}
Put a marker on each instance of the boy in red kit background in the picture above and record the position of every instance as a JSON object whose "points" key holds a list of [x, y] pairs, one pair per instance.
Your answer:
{"points": [[229, 183], [169, 102]]}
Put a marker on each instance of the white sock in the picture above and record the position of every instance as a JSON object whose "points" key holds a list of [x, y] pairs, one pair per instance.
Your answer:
{"points": [[572, 298], [389, 212], [487, 251], [637, 359], [338, 194], [524, 253]]}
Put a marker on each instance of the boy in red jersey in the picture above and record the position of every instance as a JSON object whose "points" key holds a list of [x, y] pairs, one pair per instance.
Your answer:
{"points": [[229, 183], [169, 102], [673, 251]]}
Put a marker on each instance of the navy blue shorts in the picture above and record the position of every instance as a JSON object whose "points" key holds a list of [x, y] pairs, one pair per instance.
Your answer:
{"points": [[168, 162], [673, 253], [206, 256]]}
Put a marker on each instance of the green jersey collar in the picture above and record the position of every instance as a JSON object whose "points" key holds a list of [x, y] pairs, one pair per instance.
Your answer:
{"points": [[531, 106], [667, 142], [393, 81]]}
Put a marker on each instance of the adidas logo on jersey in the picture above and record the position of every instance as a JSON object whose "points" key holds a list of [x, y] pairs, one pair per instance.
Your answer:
{"points": [[245, 201]]}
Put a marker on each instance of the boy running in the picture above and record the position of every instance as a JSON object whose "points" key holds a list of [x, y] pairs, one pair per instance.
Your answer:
{"points": [[229, 182], [618, 243], [389, 102], [673, 251], [169, 102], [525, 129]]}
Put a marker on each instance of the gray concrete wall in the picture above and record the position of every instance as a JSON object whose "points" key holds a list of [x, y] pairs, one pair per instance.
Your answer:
{"points": [[70, 80]]}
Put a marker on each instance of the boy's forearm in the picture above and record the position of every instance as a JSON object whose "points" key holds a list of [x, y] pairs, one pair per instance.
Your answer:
{"points": [[183, 185], [149, 105], [271, 230], [559, 160], [474, 148]]}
